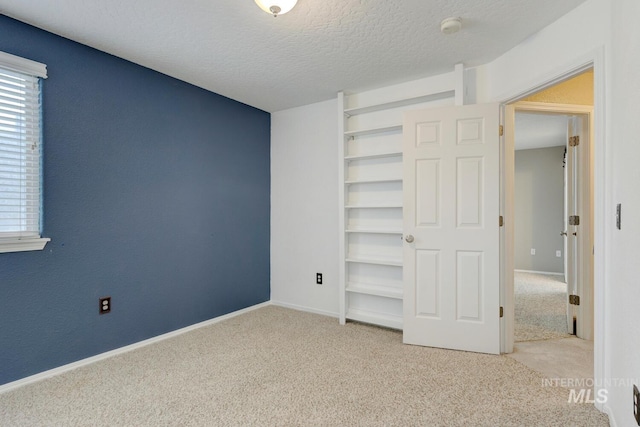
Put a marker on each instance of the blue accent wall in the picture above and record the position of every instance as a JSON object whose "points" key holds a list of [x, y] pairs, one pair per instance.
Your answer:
{"points": [[156, 194]]}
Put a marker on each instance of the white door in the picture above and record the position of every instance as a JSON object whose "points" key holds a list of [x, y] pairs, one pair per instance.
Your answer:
{"points": [[578, 238], [451, 168], [571, 241]]}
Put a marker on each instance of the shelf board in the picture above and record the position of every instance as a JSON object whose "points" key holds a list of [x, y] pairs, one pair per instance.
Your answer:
{"points": [[400, 103], [373, 181], [394, 262], [380, 206], [374, 230], [377, 290], [381, 319], [372, 131], [374, 156]]}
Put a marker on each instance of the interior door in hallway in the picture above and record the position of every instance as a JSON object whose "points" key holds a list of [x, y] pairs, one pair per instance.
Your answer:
{"points": [[451, 193], [579, 230]]}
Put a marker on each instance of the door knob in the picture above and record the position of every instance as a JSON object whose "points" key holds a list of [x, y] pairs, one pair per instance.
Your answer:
{"points": [[409, 238], [563, 233]]}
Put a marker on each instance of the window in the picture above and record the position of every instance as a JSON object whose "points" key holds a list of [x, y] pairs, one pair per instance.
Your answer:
{"points": [[20, 154]]}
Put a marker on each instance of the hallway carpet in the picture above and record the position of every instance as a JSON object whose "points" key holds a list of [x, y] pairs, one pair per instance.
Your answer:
{"points": [[279, 367], [541, 307]]}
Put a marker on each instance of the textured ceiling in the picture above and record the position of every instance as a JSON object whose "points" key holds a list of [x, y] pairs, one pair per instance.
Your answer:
{"points": [[233, 48]]}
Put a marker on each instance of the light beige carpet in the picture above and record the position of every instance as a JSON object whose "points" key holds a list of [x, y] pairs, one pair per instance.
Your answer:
{"points": [[278, 367], [541, 307]]}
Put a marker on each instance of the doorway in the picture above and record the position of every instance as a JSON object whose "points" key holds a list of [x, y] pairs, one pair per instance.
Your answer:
{"points": [[540, 280], [553, 247]]}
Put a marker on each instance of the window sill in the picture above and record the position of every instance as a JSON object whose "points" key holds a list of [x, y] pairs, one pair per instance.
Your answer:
{"points": [[21, 245]]}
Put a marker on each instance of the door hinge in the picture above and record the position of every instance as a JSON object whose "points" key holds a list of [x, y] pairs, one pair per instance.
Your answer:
{"points": [[501, 311], [574, 141], [574, 299], [501, 221], [501, 130], [574, 220]]}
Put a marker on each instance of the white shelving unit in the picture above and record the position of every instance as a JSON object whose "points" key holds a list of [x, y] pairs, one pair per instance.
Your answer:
{"points": [[371, 221], [373, 131], [372, 217]]}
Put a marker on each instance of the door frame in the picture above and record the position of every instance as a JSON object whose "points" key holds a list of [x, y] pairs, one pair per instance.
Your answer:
{"points": [[602, 220]]}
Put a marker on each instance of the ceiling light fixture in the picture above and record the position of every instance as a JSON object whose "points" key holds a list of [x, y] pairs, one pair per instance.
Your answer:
{"points": [[276, 7], [449, 25]]}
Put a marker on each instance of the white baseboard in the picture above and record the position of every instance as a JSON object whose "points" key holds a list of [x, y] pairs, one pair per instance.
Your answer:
{"points": [[102, 356], [607, 410], [539, 272], [305, 309]]}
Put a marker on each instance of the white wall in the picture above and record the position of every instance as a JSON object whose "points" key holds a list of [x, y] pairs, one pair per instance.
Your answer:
{"points": [[545, 55], [623, 299], [304, 207]]}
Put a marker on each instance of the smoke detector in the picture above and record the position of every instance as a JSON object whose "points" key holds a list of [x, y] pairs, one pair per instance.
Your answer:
{"points": [[450, 25]]}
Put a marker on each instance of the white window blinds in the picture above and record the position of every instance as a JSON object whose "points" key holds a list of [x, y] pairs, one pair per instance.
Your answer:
{"points": [[20, 150]]}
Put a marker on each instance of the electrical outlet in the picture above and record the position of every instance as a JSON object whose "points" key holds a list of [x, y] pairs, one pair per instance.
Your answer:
{"points": [[559, 254], [319, 278], [636, 404], [533, 251], [105, 305]]}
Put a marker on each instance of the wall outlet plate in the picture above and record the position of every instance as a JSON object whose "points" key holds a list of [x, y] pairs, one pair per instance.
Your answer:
{"points": [[533, 251], [105, 305], [318, 278]]}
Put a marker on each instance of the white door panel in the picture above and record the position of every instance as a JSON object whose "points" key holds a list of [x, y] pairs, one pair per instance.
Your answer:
{"points": [[579, 248], [451, 208], [571, 236]]}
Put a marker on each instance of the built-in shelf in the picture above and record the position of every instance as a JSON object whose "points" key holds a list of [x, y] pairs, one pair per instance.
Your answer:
{"points": [[374, 156], [370, 151], [377, 290], [374, 230], [382, 319], [372, 131], [394, 262], [400, 103], [373, 181], [378, 206]]}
